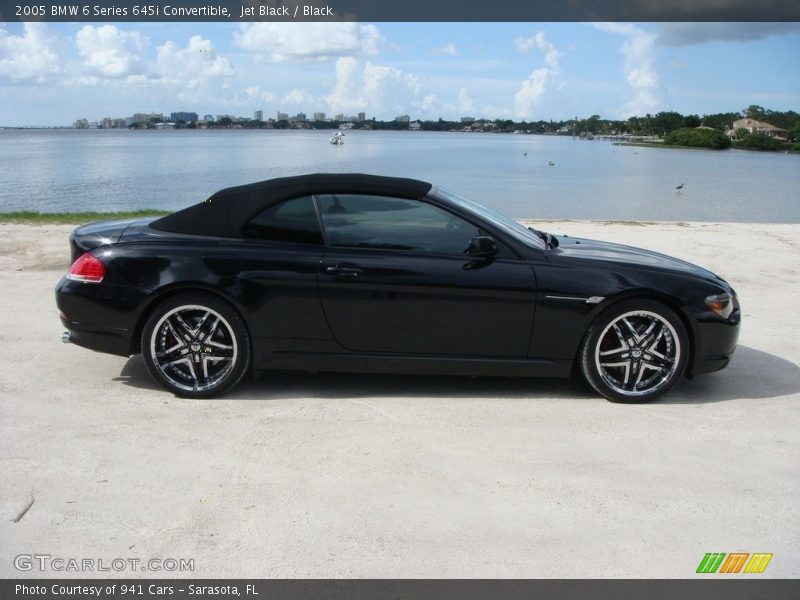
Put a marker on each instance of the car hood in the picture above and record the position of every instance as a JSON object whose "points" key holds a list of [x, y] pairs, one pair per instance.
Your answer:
{"points": [[606, 251]]}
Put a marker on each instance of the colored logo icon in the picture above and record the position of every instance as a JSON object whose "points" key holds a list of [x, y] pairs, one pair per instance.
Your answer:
{"points": [[735, 562]]}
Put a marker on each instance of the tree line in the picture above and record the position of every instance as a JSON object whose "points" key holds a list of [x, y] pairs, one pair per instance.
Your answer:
{"points": [[671, 126]]}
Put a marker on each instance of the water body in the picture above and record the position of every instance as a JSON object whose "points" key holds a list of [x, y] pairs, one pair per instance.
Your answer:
{"points": [[76, 170]]}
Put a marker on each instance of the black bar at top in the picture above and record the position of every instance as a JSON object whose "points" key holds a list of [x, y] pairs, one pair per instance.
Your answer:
{"points": [[402, 10]]}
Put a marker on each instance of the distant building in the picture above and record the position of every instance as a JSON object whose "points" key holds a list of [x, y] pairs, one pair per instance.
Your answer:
{"points": [[282, 116], [186, 117], [258, 115], [319, 116], [361, 117], [467, 119], [81, 124], [145, 118], [402, 119], [753, 126], [301, 116], [415, 126], [112, 123]]}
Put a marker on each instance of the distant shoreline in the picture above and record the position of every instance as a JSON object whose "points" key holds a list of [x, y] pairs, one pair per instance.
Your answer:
{"points": [[599, 137]]}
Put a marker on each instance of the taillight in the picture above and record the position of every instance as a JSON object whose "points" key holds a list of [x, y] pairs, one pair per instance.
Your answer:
{"points": [[88, 269]]}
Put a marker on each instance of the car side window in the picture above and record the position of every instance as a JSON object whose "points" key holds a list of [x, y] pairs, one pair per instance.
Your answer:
{"points": [[381, 222], [294, 221]]}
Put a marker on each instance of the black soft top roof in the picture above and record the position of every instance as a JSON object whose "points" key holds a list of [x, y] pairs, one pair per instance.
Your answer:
{"points": [[226, 212]]}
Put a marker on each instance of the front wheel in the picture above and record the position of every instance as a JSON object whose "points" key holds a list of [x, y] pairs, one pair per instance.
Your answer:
{"points": [[196, 346], [635, 351]]}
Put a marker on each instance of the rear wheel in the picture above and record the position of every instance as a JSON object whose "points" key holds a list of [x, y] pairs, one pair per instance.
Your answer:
{"points": [[196, 346], [635, 351]]}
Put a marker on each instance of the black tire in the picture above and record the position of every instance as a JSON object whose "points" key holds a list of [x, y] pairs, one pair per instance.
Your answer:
{"points": [[196, 345], [635, 351]]}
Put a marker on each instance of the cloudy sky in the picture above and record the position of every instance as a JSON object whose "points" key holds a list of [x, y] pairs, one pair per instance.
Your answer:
{"points": [[52, 74]]}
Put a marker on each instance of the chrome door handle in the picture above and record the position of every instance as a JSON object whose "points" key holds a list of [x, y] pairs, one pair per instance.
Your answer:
{"points": [[344, 272]]}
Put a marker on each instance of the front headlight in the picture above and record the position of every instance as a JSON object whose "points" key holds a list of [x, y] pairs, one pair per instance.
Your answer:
{"points": [[722, 304]]}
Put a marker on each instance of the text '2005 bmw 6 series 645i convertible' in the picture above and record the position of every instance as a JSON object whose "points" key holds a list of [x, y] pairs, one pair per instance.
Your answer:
{"points": [[363, 273]]}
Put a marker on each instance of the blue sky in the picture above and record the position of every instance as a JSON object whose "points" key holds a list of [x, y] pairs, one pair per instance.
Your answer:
{"points": [[52, 74]]}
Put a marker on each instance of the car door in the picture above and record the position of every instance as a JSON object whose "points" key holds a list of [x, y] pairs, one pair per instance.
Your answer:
{"points": [[280, 257], [396, 278]]}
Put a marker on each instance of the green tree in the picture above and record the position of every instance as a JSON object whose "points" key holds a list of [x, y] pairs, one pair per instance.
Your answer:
{"points": [[759, 141], [698, 138], [721, 121], [754, 111], [691, 121], [665, 122]]}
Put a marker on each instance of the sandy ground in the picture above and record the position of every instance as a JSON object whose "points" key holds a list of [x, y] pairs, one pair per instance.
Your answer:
{"points": [[295, 475]]}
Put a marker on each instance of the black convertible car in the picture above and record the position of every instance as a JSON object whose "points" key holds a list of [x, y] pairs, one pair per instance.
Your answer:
{"points": [[378, 274]]}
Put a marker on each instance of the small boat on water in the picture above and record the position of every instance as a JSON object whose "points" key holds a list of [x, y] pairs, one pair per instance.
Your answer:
{"points": [[337, 139]]}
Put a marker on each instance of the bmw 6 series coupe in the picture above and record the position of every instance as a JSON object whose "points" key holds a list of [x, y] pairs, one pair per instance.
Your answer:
{"points": [[363, 273]]}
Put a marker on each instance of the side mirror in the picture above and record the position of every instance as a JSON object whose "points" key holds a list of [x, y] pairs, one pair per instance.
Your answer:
{"points": [[482, 246]]}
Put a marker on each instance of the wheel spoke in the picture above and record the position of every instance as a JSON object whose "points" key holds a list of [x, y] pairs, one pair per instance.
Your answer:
{"points": [[627, 374], [208, 358], [621, 350], [632, 330], [218, 345], [659, 362], [640, 366], [213, 329], [617, 365], [183, 361], [651, 330], [184, 327], [620, 337]]}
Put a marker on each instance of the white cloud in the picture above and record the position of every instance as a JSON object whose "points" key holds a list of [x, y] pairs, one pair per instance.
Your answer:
{"points": [[33, 56], [427, 104], [252, 94], [551, 55], [309, 42], [447, 50], [298, 97], [110, 52], [366, 86], [192, 65], [638, 51], [464, 106], [542, 79]]}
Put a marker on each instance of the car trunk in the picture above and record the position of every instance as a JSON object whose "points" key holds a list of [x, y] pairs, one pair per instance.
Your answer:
{"points": [[101, 233]]}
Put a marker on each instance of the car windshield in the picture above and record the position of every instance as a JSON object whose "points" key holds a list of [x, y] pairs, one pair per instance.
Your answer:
{"points": [[499, 220]]}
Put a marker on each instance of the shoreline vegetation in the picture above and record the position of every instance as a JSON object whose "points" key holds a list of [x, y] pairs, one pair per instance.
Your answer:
{"points": [[754, 128], [28, 217]]}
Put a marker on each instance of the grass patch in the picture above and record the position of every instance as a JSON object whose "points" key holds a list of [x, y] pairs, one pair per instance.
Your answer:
{"points": [[629, 223], [30, 217]]}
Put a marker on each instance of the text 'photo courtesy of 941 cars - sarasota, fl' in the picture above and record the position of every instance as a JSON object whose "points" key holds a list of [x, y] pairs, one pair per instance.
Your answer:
{"points": [[363, 273]]}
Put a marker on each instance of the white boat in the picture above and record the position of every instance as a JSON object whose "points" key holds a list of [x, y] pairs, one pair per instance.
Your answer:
{"points": [[337, 139]]}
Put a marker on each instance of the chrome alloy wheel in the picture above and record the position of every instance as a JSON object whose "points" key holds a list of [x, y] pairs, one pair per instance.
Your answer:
{"points": [[194, 348], [637, 353]]}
